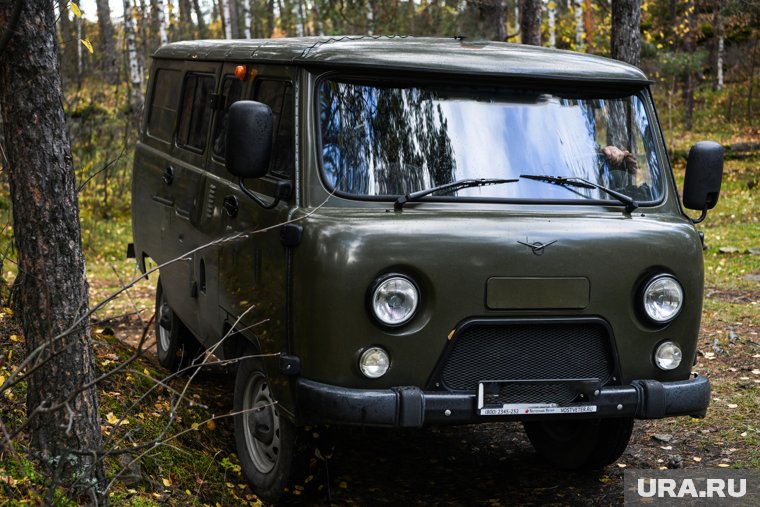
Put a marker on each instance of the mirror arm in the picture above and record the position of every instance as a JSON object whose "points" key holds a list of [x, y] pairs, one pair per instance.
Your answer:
{"points": [[701, 217], [283, 192]]}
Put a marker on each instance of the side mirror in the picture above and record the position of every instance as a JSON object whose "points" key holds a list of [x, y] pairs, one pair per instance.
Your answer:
{"points": [[249, 139], [704, 172]]}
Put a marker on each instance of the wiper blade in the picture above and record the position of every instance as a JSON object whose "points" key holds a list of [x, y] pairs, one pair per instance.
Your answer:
{"points": [[451, 187], [630, 202]]}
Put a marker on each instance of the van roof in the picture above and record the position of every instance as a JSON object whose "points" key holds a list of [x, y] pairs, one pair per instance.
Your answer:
{"points": [[441, 55]]}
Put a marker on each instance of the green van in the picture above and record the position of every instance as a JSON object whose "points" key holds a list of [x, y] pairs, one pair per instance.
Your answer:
{"points": [[403, 232]]}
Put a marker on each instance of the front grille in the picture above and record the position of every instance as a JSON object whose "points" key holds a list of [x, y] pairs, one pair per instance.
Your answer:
{"points": [[485, 350]]}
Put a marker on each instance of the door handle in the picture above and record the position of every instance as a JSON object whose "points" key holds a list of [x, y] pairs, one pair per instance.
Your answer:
{"points": [[168, 175], [230, 205]]}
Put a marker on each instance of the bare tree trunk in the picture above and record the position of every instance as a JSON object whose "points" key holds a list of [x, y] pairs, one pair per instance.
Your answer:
{"points": [[588, 24], [751, 83], [580, 36], [721, 47], [690, 78], [318, 19], [247, 19], [234, 19], [163, 36], [270, 17], [108, 41], [80, 62], [185, 20], [530, 22], [226, 21], [625, 35], [62, 406], [135, 72], [201, 21], [551, 9]]}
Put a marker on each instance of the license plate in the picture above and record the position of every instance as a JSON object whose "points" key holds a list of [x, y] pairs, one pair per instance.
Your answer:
{"points": [[535, 409], [526, 408]]}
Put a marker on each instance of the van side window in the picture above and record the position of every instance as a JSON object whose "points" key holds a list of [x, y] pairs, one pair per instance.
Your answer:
{"points": [[163, 108], [232, 89], [278, 95], [196, 112]]}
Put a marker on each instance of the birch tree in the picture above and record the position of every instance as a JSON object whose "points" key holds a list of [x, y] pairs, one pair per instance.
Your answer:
{"points": [[135, 71], [107, 40]]}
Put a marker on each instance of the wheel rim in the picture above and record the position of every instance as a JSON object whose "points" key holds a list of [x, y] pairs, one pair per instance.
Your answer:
{"points": [[261, 422], [164, 334]]}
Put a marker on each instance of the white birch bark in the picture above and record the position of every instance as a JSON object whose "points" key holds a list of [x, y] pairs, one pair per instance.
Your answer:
{"points": [[370, 20], [247, 18], [721, 47], [161, 17], [135, 73], [227, 19], [580, 34], [551, 9]]}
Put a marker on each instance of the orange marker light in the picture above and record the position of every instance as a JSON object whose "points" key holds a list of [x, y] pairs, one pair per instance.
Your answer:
{"points": [[241, 72]]}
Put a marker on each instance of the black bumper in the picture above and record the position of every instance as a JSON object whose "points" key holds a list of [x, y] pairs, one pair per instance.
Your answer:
{"points": [[412, 407]]}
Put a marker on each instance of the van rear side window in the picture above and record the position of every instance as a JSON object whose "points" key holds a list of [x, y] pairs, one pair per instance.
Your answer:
{"points": [[163, 110], [196, 112]]}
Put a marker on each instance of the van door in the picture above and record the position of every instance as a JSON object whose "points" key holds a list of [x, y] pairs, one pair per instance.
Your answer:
{"points": [[182, 183], [216, 187], [252, 271]]}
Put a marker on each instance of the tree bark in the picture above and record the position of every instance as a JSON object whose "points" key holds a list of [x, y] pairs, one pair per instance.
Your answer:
{"points": [[530, 22], [108, 41], [625, 34], [52, 288], [201, 21], [135, 71]]}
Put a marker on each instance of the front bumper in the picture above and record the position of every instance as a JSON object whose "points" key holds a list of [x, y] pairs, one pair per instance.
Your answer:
{"points": [[409, 406]]}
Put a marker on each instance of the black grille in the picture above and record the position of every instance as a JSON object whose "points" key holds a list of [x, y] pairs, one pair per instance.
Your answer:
{"points": [[528, 351]]}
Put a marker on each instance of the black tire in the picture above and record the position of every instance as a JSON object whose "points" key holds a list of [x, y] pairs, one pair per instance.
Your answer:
{"points": [[581, 444], [176, 346], [273, 454]]}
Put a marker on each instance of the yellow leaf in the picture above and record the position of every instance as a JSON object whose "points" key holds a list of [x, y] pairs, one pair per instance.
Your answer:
{"points": [[8, 311], [194, 426], [75, 9], [343, 485], [146, 372], [86, 43], [112, 419], [723, 465], [2, 379], [167, 482], [211, 425], [14, 338]]}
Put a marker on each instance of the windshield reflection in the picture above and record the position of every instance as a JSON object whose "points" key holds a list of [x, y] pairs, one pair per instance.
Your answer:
{"points": [[390, 140]]}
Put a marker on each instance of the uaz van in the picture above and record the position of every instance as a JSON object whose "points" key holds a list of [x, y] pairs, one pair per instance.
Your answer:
{"points": [[405, 232]]}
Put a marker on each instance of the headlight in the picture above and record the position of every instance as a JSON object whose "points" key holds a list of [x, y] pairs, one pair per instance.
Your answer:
{"points": [[374, 362], [668, 356], [662, 299], [394, 300]]}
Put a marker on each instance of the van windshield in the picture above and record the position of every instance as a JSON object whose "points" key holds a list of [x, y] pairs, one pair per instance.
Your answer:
{"points": [[385, 140]]}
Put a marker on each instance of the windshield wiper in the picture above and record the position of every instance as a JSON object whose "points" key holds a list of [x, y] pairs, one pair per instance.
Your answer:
{"points": [[630, 202], [450, 187]]}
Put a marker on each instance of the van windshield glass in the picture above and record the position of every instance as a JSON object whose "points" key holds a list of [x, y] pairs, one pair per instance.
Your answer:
{"points": [[390, 140]]}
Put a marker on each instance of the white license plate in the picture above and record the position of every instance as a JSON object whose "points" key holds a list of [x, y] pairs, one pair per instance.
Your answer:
{"points": [[535, 409], [528, 408]]}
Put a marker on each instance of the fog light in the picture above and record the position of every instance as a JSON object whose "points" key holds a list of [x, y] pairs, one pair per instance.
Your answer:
{"points": [[663, 299], [668, 356], [374, 362]]}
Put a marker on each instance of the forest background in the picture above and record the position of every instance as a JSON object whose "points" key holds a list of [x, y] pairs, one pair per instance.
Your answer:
{"points": [[703, 58]]}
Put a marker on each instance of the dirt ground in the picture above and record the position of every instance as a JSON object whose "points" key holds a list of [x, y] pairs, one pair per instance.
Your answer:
{"points": [[494, 464]]}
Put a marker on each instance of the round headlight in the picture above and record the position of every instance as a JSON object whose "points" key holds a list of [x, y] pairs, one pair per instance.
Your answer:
{"points": [[374, 362], [663, 299], [395, 300], [668, 356]]}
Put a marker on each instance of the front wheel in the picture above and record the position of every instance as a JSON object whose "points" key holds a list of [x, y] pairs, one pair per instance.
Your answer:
{"points": [[176, 346], [270, 453], [582, 444]]}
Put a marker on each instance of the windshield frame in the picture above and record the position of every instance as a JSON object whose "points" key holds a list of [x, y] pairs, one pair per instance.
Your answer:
{"points": [[559, 88]]}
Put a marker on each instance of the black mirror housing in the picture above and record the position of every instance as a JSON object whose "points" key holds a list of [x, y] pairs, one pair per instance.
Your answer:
{"points": [[704, 172], [249, 139]]}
